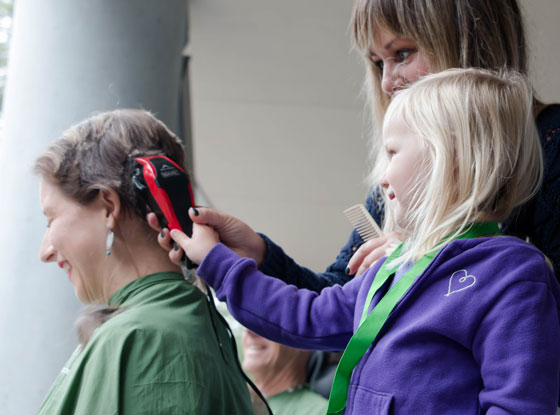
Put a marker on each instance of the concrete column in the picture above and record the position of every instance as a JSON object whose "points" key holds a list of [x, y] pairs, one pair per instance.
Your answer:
{"points": [[68, 59]]}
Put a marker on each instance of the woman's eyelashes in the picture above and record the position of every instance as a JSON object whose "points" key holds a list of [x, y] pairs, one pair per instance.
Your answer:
{"points": [[404, 54], [400, 56]]}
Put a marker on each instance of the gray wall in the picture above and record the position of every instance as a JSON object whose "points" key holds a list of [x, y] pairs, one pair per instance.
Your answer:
{"points": [[278, 121], [543, 29]]}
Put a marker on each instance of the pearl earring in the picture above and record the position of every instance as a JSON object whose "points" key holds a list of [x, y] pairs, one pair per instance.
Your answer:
{"points": [[109, 242]]}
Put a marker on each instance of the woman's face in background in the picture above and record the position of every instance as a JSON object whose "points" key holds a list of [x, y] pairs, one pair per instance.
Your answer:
{"points": [[262, 356], [398, 59], [75, 239]]}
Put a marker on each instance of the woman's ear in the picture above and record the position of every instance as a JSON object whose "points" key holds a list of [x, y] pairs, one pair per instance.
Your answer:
{"points": [[111, 202]]}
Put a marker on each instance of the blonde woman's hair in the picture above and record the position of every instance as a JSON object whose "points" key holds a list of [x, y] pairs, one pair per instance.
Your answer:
{"points": [[483, 155], [485, 34]]}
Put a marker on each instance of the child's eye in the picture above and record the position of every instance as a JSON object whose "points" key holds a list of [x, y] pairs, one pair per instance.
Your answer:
{"points": [[379, 64]]}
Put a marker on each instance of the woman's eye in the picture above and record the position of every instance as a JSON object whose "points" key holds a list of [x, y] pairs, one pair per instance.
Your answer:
{"points": [[403, 55], [379, 64]]}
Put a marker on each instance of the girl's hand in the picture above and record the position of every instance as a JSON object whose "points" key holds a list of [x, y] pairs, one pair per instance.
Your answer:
{"points": [[371, 251], [234, 233], [203, 239], [164, 239]]}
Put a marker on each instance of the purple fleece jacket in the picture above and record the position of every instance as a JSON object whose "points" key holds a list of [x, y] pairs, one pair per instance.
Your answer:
{"points": [[478, 331]]}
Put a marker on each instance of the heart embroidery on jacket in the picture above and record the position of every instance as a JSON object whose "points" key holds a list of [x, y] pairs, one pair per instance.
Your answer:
{"points": [[459, 281]]}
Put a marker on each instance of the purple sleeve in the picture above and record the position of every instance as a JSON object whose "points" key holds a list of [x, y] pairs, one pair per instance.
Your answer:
{"points": [[517, 347], [281, 312]]}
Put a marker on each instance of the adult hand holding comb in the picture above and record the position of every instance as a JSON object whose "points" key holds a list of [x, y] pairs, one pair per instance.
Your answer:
{"points": [[376, 244]]}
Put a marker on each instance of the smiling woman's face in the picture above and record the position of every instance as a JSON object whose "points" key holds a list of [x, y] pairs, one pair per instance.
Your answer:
{"points": [[262, 357], [75, 239]]}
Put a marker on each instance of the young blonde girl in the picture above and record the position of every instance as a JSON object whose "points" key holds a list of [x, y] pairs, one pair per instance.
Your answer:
{"points": [[456, 320], [480, 162]]}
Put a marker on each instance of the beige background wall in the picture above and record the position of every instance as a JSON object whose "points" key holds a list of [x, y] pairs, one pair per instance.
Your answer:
{"points": [[543, 30], [278, 123]]}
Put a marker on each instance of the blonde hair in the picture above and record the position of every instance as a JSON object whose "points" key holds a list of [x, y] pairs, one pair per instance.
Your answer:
{"points": [[451, 34], [93, 155], [483, 155]]}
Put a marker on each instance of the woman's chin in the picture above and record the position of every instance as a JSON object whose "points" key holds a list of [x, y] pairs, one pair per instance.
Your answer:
{"points": [[85, 299], [80, 298]]}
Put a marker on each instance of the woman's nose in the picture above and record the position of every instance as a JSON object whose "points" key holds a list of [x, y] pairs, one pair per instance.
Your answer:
{"points": [[391, 80], [47, 253]]}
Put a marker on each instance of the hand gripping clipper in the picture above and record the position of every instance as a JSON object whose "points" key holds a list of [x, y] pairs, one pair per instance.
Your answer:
{"points": [[165, 188]]}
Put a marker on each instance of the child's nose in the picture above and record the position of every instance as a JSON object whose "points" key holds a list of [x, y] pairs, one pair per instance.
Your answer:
{"points": [[384, 183]]}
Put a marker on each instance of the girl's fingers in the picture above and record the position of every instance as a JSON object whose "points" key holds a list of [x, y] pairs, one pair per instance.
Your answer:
{"points": [[180, 238], [164, 239], [203, 239], [153, 221], [176, 254]]}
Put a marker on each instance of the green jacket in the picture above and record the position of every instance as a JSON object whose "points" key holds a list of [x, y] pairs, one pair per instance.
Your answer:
{"points": [[159, 356], [298, 401]]}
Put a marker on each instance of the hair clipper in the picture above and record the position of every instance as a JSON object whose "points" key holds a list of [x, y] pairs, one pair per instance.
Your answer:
{"points": [[166, 189]]}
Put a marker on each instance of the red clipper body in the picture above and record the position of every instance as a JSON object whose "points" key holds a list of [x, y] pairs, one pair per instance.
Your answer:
{"points": [[166, 189]]}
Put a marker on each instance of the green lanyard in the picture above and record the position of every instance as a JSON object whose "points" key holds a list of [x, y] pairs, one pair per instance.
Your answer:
{"points": [[371, 325]]}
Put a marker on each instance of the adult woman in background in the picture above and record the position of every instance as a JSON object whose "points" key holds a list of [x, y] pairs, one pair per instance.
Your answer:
{"points": [[153, 349], [402, 40]]}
